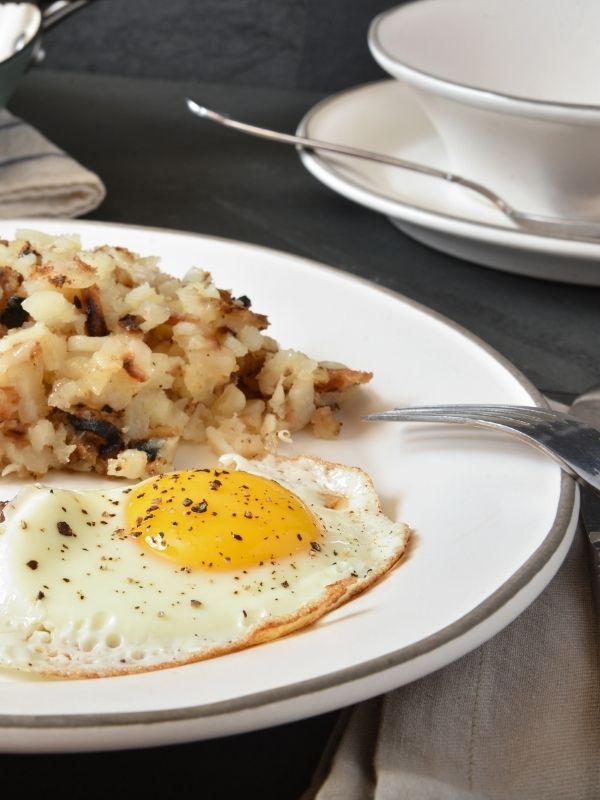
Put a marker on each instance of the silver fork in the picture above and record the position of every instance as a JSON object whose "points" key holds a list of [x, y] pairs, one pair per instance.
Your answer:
{"points": [[574, 444]]}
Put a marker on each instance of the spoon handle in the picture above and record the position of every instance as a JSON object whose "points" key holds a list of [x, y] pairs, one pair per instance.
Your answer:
{"points": [[532, 223], [347, 150]]}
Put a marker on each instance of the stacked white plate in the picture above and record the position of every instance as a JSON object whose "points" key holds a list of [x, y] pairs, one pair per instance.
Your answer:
{"points": [[388, 117]]}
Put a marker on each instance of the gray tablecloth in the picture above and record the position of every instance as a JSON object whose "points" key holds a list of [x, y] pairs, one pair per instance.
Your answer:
{"points": [[517, 719]]}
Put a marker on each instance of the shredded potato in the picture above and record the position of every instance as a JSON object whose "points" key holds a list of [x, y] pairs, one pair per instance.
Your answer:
{"points": [[107, 363]]}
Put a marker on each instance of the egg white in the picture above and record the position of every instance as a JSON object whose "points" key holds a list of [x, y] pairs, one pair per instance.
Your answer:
{"points": [[79, 598]]}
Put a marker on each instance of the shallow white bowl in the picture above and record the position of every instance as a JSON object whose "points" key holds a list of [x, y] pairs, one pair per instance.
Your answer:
{"points": [[512, 88]]}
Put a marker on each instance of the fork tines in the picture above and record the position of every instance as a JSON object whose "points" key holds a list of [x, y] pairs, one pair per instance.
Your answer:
{"points": [[467, 412]]}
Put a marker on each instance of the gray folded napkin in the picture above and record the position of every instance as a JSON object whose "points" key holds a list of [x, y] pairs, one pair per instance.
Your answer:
{"points": [[517, 719], [37, 179]]}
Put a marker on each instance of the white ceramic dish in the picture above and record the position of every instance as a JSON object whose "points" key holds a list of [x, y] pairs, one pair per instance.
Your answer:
{"points": [[385, 117], [493, 520], [511, 86]]}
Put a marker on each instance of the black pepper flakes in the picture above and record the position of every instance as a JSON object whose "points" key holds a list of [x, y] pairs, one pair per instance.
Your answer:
{"points": [[14, 315], [65, 529], [33, 564]]}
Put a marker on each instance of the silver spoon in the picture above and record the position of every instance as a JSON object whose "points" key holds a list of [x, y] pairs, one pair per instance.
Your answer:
{"points": [[557, 227]]}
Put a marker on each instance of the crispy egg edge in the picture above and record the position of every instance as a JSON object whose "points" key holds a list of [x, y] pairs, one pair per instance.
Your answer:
{"points": [[335, 595]]}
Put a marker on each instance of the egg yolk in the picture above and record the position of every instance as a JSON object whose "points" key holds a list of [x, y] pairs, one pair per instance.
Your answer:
{"points": [[219, 520]]}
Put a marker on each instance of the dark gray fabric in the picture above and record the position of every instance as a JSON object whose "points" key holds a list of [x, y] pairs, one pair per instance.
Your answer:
{"points": [[308, 44], [516, 719]]}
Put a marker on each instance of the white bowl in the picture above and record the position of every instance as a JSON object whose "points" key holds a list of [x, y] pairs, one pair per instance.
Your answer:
{"points": [[513, 89]]}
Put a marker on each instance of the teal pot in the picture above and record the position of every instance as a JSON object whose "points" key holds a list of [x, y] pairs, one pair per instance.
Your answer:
{"points": [[21, 28]]}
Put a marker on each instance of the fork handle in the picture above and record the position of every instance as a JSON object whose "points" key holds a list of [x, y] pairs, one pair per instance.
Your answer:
{"points": [[590, 518], [594, 537], [594, 546]]}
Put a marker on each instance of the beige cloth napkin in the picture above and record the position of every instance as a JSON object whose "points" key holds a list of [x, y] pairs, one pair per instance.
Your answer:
{"points": [[37, 179], [517, 719]]}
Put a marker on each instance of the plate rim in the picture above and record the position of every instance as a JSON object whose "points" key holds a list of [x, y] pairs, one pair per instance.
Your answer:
{"points": [[519, 580], [419, 215]]}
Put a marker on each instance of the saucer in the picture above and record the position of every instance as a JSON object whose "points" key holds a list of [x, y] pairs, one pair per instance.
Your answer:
{"points": [[385, 117]]}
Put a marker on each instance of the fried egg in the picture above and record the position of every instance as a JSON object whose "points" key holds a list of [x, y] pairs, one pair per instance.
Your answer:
{"points": [[185, 566]]}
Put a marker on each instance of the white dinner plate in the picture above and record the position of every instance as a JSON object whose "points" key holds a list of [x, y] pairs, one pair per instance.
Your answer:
{"points": [[493, 519], [385, 117]]}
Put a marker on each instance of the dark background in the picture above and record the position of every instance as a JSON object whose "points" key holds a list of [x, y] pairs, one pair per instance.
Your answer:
{"points": [[305, 44]]}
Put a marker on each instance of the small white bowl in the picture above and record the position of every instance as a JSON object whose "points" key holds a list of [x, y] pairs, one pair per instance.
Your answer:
{"points": [[513, 88]]}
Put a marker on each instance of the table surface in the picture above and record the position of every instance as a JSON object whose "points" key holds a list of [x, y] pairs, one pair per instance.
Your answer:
{"points": [[164, 168]]}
